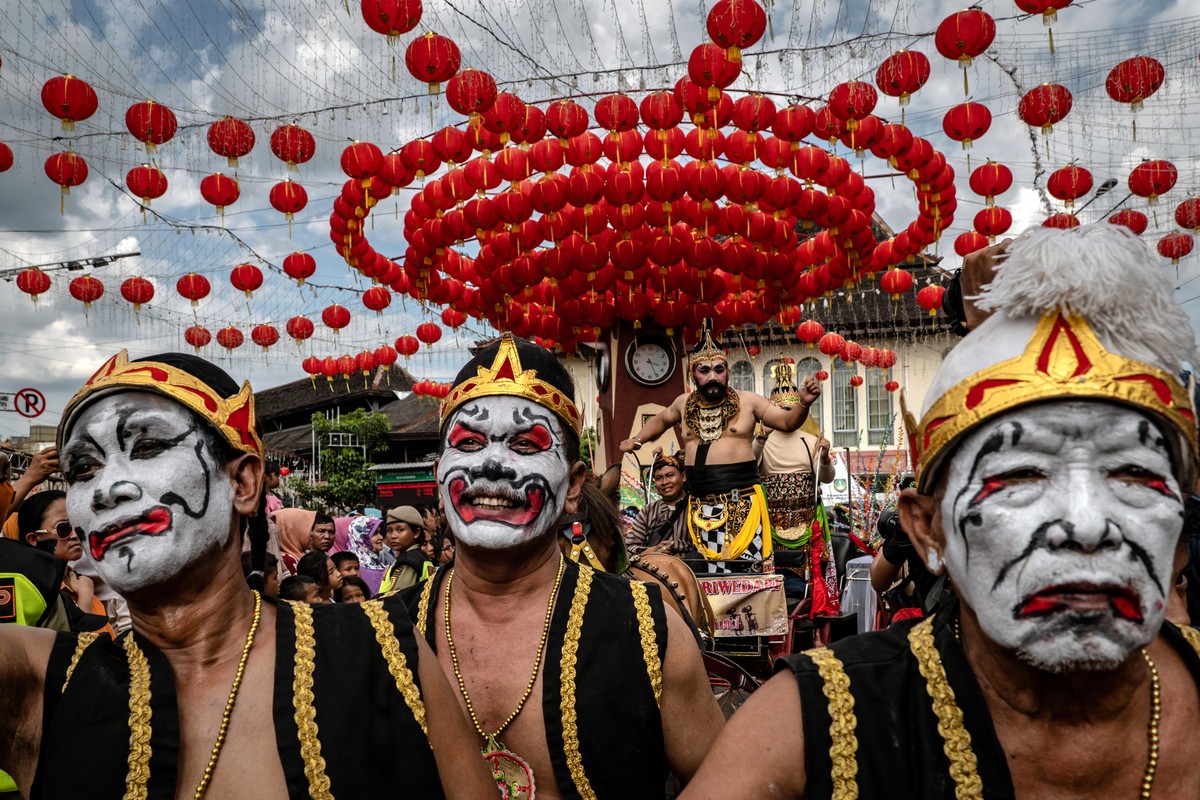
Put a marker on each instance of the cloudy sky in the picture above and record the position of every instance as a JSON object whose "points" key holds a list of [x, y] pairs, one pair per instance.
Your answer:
{"points": [[316, 62]]}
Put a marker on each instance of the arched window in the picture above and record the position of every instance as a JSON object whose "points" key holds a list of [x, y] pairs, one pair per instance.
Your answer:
{"points": [[741, 376], [880, 417], [804, 368], [845, 405], [768, 375]]}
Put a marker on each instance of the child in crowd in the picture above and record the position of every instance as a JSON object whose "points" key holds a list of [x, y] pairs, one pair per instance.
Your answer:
{"points": [[346, 563], [354, 590], [300, 588]]}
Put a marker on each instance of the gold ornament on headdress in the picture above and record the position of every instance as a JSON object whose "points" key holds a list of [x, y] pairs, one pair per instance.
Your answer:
{"points": [[506, 377], [233, 417], [707, 349], [1064, 360], [784, 392]]}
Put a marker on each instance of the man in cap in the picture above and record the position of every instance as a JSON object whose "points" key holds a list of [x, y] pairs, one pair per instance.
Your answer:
{"points": [[213, 690], [727, 510], [580, 684], [1055, 450]]}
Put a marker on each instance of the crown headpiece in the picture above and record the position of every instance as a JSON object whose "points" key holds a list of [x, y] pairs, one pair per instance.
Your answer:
{"points": [[507, 377], [706, 349], [1064, 360], [784, 391], [233, 416]]}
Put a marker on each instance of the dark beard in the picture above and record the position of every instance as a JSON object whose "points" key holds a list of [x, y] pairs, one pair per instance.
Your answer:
{"points": [[713, 392]]}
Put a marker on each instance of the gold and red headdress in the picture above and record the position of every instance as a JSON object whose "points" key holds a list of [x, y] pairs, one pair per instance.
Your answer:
{"points": [[232, 416], [1078, 315], [507, 376], [706, 349]]}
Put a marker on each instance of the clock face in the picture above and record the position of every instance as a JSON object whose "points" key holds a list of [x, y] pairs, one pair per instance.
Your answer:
{"points": [[650, 363]]}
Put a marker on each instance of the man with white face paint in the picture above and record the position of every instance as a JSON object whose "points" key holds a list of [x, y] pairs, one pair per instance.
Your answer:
{"points": [[579, 683], [1053, 455], [164, 464]]}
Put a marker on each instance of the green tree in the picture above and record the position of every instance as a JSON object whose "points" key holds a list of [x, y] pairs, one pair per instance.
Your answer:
{"points": [[587, 446], [345, 480]]}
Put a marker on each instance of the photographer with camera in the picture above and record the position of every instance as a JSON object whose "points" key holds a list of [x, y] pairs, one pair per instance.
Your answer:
{"points": [[919, 591]]}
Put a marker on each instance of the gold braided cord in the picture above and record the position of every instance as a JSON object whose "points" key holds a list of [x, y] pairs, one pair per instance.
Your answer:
{"points": [[1192, 636], [82, 643], [138, 777], [956, 740], [843, 748], [570, 656], [423, 606], [641, 604], [302, 701], [397, 664]]}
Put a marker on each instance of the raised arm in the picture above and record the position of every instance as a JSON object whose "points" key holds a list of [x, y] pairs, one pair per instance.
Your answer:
{"points": [[24, 654], [794, 417], [656, 426], [43, 465]]}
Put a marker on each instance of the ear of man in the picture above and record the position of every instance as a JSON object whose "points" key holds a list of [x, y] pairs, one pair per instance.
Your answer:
{"points": [[246, 475], [579, 474], [921, 519]]}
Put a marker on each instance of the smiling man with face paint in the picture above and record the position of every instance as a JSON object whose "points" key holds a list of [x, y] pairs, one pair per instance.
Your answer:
{"points": [[1053, 455], [580, 683], [163, 463]]}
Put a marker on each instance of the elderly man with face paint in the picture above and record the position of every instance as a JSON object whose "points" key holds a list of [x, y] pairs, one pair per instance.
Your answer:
{"points": [[727, 516], [215, 690], [580, 684], [1053, 456]]}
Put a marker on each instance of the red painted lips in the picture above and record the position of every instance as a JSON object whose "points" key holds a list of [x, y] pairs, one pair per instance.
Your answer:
{"points": [[495, 508], [152, 523], [1083, 597]]}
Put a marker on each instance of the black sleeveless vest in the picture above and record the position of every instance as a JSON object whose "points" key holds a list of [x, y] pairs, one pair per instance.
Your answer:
{"points": [[357, 732]]}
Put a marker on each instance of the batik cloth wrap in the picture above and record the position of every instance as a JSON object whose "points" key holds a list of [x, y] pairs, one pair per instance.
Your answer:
{"points": [[792, 498], [727, 515]]}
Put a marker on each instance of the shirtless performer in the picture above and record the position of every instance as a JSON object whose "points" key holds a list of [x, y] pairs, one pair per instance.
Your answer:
{"points": [[215, 690], [1053, 456], [727, 510], [580, 684]]}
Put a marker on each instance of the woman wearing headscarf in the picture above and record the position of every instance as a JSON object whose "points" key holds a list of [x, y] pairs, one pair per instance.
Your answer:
{"points": [[366, 542], [295, 529]]}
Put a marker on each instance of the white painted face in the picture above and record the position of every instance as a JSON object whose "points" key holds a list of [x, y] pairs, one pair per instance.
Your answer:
{"points": [[147, 497], [1061, 523], [503, 472]]}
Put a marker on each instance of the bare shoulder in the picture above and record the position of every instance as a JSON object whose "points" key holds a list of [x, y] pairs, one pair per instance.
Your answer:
{"points": [[24, 654], [751, 400], [768, 726]]}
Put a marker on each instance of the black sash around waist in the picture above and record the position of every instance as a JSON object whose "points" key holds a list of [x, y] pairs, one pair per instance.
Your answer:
{"points": [[719, 478]]}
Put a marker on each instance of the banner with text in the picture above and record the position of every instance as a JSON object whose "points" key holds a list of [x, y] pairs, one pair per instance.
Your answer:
{"points": [[747, 605]]}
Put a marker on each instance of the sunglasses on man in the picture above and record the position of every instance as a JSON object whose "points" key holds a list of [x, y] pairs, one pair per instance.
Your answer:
{"points": [[62, 530]]}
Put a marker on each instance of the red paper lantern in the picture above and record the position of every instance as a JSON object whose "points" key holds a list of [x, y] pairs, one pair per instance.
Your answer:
{"points": [[1150, 179], [1048, 9], [386, 355], [616, 112], [792, 124], [1136, 221], [969, 242], [831, 344], [736, 25], [197, 336], [146, 182], [887, 358], [856, 380], [70, 99], [821, 375], [891, 386], [967, 122], [1187, 214], [87, 289], [407, 345], [299, 328], [964, 36], [220, 190], [432, 59], [67, 170], [429, 333], [392, 18], [6, 157], [232, 138], [1044, 106], [993, 222], [362, 160], [1062, 221], [33, 282], [850, 352], [288, 198], [335, 317], [299, 267], [453, 318], [902, 74], [1132, 81], [151, 123], [471, 92], [137, 291], [896, 282], [710, 68], [1175, 245], [194, 287], [264, 336], [246, 278], [930, 298], [365, 362], [230, 338], [852, 100], [377, 298], [1069, 183], [293, 145], [991, 179]]}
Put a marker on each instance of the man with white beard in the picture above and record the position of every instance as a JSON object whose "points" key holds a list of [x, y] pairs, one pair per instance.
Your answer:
{"points": [[215, 689], [1053, 456], [580, 684]]}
